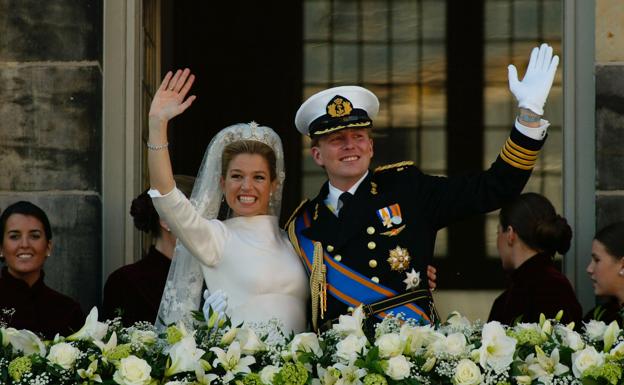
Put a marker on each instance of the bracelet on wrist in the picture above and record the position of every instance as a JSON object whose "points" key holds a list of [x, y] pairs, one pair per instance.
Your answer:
{"points": [[157, 147]]}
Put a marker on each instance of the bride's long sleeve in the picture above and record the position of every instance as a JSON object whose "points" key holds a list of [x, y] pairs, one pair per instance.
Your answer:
{"points": [[204, 238]]}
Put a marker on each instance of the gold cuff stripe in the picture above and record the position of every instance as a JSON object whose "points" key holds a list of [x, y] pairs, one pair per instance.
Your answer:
{"points": [[395, 165], [519, 154], [514, 164], [521, 149], [517, 159], [336, 128]]}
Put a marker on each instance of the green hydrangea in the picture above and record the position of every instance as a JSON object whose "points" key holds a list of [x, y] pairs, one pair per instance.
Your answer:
{"points": [[291, 374], [610, 371], [119, 352], [503, 383], [252, 379], [18, 367], [174, 335], [530, 337], [375, 379]]}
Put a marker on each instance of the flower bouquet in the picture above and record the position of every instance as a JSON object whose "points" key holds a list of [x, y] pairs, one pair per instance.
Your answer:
{"points": [[399, 351]]}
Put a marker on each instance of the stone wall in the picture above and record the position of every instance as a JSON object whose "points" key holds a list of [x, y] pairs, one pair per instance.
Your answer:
{"points": [[50, 130], [609, 111]]}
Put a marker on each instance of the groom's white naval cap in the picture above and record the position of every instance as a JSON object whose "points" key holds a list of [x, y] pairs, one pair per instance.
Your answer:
{"points": [[335, 109]]}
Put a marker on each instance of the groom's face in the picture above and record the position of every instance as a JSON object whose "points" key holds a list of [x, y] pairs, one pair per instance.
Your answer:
{"points": [[345, 155]]}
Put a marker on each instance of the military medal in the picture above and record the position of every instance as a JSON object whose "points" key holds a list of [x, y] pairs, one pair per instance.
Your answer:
{"points": [[399, 259], [390, 215], [413, 279]]}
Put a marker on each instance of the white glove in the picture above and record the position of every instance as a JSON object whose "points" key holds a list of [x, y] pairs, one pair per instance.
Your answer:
{"points": [[217, 301], [533, 90]]}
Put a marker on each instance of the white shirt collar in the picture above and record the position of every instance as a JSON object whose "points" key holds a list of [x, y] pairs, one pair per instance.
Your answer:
{"points": [[333, 197]]}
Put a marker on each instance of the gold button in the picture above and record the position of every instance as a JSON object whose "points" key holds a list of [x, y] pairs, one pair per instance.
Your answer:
{"points": [[375, 279], [338, 257], [330, 248], [372, 263], [370, 230], [372, 245]]}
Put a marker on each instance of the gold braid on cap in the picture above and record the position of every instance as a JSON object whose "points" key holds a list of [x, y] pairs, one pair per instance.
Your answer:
{"points": [[318, 285]]}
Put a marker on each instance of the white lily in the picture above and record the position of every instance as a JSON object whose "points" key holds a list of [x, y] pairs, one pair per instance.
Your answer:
{"points": [[204, 378], [610, 335], [107, 347], [23, 340], [92, 329], [351, 324], [185, 357], [349, 374], [497, 349], [249, 341], [544, 367], [90, 374], [231, 361]]}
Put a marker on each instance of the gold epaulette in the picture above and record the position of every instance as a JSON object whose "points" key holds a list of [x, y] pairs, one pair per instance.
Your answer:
{"points": [[517, 156], [295, 212], [397, 166]]}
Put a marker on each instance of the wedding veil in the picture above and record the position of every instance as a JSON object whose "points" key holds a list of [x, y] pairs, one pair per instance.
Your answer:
{"points": [[183, 288]]}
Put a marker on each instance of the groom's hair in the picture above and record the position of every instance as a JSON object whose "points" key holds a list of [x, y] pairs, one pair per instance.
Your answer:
{"points": [[248, 147]]}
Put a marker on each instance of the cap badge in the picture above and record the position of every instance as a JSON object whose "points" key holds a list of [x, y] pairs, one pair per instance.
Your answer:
{"points": [[339, 106], [399, 259]]}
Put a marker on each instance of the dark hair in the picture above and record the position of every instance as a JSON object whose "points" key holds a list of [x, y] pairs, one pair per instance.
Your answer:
{"points": [[144, 214], [29, 209], [248, 147], [612, 237], [536, 222]]}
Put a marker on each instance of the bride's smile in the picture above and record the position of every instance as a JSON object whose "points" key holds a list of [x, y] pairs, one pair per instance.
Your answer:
{"points": [[247, 185]]}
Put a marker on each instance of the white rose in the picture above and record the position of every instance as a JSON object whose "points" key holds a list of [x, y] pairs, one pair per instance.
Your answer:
{"points": [[398, 367], [132, 371], [389, 345], [63, 355], [594, 330], [143, 337], [497, 349], [454, 345], [305, 342], [585, 359], [249, 341], [184, 356], [467, 373], [268, 373], [570, 338], [348, 348]]}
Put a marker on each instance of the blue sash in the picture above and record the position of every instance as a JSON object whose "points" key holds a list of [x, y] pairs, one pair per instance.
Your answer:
{"points": [[347, 285]]}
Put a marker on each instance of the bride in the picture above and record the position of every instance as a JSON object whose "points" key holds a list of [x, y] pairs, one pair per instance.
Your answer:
{"points": [[242, 251]]}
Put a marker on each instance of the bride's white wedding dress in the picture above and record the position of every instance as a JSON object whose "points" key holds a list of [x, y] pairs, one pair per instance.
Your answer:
{"points": [[250, 258]]}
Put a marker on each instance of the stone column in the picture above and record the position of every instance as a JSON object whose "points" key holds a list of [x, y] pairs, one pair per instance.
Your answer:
{"points": [[51, 129], [609, 112]]}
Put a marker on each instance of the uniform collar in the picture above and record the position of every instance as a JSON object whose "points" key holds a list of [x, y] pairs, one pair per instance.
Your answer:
{"points": [[333, 195]]}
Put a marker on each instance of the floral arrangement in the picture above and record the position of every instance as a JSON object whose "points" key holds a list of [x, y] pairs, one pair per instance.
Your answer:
{"points": [[396, 351]]}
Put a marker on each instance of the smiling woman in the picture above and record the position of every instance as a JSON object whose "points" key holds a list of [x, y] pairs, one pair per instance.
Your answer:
{"points": [[26, 243]]}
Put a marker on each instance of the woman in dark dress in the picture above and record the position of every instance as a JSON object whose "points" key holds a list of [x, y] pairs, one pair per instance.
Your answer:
{"points": [[530, 232], [25, 300], [606, 271], [133, 291]]}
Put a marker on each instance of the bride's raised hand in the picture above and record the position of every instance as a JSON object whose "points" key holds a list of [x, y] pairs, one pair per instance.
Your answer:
{"points": [[169, 100]]}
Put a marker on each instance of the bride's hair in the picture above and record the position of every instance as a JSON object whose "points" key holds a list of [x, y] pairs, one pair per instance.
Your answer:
{"points": [[248, 147]]}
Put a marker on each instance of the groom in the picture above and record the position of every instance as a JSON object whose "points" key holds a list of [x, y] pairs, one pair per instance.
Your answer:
{"points": [[368, 236]]}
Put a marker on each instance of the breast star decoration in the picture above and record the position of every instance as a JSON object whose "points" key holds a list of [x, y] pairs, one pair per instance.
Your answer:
{"points": [[399, 259], [413, 279]]}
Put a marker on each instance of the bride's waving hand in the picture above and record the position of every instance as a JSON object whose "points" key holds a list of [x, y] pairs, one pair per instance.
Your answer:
{"points": [[169, 101]]}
